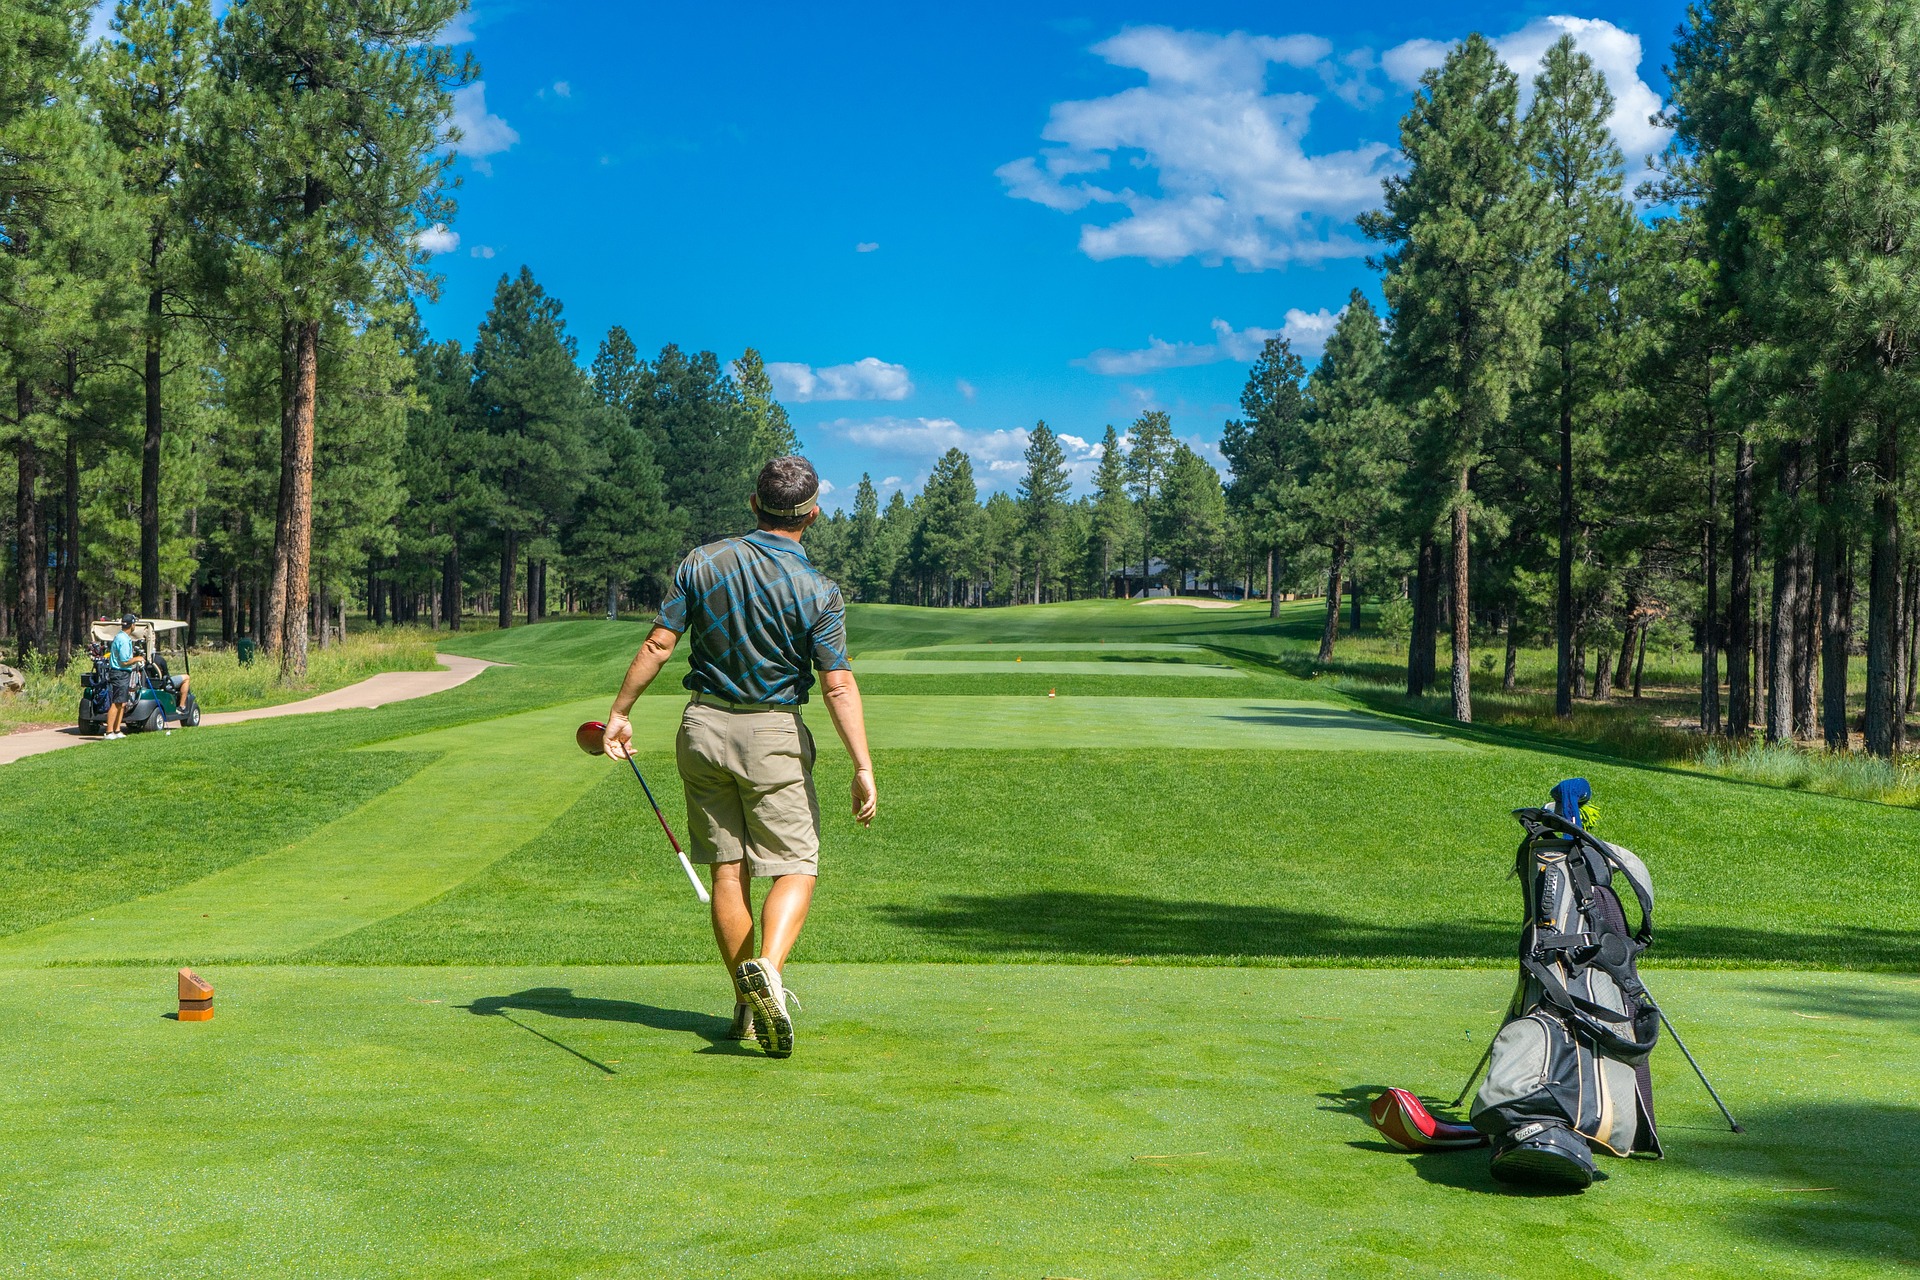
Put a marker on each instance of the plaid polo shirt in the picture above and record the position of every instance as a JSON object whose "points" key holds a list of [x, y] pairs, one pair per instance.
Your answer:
{"points": [[760, 616]]}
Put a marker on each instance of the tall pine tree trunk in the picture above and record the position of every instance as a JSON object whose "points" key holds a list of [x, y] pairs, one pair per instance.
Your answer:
{"points": [[1710, 617], [1835, 617], [1740, 656], [71, 617], [1806, 626], [1563, 586], [306, 359], [1421, 648], [452, 589], [509, 561], [272, 624], [1883, 596], [1462, 611], [1273, 582], [30, 618], [150, 453], [1510, 672], [1786, 603], [1330, 631]]}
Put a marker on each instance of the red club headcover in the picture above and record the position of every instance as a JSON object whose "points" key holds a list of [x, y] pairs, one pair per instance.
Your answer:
{"points": [[1404, 1120], [591, 737]]}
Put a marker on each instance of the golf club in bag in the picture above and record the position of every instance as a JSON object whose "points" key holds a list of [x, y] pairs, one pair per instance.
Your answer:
{"points": [[591, 737]]}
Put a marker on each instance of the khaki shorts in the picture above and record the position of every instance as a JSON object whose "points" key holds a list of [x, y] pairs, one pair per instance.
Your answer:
{"points": [[748, 775]]}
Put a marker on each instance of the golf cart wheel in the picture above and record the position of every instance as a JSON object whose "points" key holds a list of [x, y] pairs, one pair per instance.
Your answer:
{"points": [[190, 714]]}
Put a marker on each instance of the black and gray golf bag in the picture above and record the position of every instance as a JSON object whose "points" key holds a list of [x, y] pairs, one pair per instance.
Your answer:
{"points": [[1568, 1071]]}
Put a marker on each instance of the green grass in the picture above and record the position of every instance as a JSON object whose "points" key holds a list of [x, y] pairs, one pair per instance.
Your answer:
{"points": [[940, 1121], [1152, 916]]}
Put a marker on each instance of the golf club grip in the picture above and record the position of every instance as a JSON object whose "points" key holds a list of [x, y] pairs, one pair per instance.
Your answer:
{"points": [[699, 890]]}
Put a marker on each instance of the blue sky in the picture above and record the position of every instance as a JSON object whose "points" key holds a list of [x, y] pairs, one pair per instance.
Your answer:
{"points": [[941, 223]]}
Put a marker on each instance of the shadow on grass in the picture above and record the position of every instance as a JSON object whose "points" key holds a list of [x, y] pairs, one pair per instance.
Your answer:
{"points": [[1847, 1001], [1305, 717], [560, 1002], [1073, 923], [1105, 924], [1465, 1168], [1836, 1179]]}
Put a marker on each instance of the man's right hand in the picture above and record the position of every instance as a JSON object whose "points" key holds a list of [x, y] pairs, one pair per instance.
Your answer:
{"points": [[617, 741], [866, 797]]}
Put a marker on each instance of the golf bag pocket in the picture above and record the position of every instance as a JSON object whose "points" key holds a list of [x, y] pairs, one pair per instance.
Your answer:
{"points": [[1543, 1073]]}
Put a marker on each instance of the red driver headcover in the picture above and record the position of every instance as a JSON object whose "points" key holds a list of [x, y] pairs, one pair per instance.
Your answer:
{"points": [[1405, 1121]]}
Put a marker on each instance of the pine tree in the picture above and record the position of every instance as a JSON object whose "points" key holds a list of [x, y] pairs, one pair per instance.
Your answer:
{"points": [[307, 91], [1805, 118], [1149, 454], [695, 414], [1578, 166], [1355, 439], [1043, 506], [868, 576], [1263, 450], [773, 435], [946, 543], [532, 403], [1461, 230], [1112, 516], [1192, 515], [150, 84]]}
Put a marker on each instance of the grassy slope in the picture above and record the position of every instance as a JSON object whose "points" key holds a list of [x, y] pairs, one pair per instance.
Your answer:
{"points": [[1276, 856], [979, 1121]]}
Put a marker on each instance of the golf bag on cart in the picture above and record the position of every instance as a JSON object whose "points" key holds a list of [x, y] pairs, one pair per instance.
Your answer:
{"points": [[1568, 1070]]}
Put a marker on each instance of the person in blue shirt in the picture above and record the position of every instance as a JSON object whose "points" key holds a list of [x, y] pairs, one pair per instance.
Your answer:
{"points": [[121, 663], [760, 621]]}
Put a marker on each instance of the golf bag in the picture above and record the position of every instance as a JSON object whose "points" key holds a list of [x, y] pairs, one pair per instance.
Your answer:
{"points": [[1569, 1066]]}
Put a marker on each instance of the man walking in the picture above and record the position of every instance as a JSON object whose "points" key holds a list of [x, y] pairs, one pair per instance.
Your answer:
{"points": [[761, 620]]}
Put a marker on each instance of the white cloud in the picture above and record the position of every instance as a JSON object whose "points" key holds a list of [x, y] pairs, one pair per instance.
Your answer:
{"points": [[1306, 330], [867, 379], [459, 30], [482, 133], [826, 487], [437, 239], [965, 388], [1234, 180], [1615, 52], [866, 246], [999, 456], [481, 251], [1203, 161], [562, 89]]}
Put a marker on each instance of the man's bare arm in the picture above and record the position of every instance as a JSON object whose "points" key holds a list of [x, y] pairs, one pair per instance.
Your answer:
{"points": [[842, 696], [646, 664]]}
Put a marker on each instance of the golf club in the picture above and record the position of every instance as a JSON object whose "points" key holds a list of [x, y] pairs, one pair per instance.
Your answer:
{"points": [[591, 737]]}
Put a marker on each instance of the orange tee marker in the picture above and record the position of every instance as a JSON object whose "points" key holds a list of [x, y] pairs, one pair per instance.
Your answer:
{"points": [[196, 997]]}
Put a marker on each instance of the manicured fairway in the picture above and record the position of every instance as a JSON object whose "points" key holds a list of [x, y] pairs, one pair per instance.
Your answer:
{"points": [[942, 1121], [1101, 993], [962, 667]]}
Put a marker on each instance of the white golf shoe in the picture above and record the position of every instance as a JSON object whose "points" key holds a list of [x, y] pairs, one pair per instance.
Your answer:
{"points": [[760, 982]]}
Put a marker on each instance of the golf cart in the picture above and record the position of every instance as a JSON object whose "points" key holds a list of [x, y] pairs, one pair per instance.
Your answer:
{"points": [[155, 689]]}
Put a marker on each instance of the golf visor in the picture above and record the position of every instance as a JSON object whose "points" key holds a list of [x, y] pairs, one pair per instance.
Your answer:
{"points": [[794, 513]]}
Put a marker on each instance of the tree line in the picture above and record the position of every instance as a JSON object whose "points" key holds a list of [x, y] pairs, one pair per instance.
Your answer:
{"points": [[1583, 414]]}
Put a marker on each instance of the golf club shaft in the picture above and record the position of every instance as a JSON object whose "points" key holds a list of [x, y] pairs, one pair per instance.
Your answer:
{"points": [[1711, 1092], [700, 890], [1468, 1086]]}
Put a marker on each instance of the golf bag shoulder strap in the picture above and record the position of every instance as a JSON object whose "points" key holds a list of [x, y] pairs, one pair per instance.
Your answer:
{"points": [[1599, 861]]}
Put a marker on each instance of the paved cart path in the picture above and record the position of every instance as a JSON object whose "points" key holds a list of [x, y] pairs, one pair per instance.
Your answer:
{"points": [[374, 691]]}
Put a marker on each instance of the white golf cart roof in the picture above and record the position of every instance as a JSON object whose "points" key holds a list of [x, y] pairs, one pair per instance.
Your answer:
{"points": [[148, 629]]}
